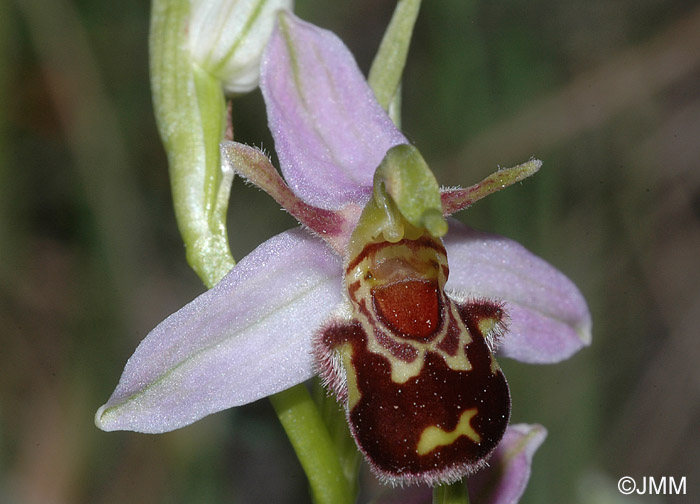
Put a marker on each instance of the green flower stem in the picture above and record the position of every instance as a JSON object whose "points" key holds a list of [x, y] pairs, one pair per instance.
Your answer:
{"points": [[333, 414], [456, 493], [190, 113], [387, 67], [313, 445]]}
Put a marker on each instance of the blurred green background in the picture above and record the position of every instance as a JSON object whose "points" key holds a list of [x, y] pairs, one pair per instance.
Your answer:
{"points": [[606, 93]]}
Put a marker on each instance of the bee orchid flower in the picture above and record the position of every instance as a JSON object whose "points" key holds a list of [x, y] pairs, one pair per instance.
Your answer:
{"points": [[362, 293]]}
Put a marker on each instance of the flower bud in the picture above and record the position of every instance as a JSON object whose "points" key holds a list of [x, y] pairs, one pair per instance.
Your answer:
{"points": [[227, 38]]}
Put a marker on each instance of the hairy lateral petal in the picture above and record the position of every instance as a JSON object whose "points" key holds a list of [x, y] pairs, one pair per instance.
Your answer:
{"points": [[330, 133], [505, 478], [248, 337], [549, 318]]}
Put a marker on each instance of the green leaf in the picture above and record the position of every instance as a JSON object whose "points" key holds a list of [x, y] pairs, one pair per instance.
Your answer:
{"points": [[387, 67], [456, 493]]}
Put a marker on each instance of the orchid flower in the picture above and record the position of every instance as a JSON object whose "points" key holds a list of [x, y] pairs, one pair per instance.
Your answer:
{"points": [[362, 293]]}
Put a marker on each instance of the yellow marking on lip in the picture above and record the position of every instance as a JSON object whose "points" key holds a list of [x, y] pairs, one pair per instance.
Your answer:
{"points": [[350, 376], [401, 371], [434, 437], [457, 362], [487, 324]]}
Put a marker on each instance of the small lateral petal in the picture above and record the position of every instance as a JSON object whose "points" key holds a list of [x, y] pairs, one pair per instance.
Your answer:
{"points": [[508, 472], [330, 133], [549, 318], [458, 198], [248, 337], [333, 226]]}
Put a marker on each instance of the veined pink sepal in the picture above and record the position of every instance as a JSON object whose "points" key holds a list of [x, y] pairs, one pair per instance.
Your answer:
{"points": [[330, 133], [248, 337], [549, 319]]}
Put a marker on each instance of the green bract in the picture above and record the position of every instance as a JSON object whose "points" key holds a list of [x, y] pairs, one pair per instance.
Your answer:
{"points": [[198, 49]]}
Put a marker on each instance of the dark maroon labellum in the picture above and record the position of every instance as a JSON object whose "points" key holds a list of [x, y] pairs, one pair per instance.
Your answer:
{"points": [[425, 398]]}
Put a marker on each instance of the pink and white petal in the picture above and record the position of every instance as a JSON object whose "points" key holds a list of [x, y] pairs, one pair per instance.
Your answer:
{"points": [[549, 318], [330, 133], [505, 479], [248, 337]]}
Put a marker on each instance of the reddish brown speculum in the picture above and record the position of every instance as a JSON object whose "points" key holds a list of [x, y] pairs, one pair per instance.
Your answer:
{"points": [[425, 399], [410, 308]]}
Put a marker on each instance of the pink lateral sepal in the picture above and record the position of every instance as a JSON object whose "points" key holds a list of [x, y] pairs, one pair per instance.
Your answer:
{"points": [[509, 467], [549, 319]]}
